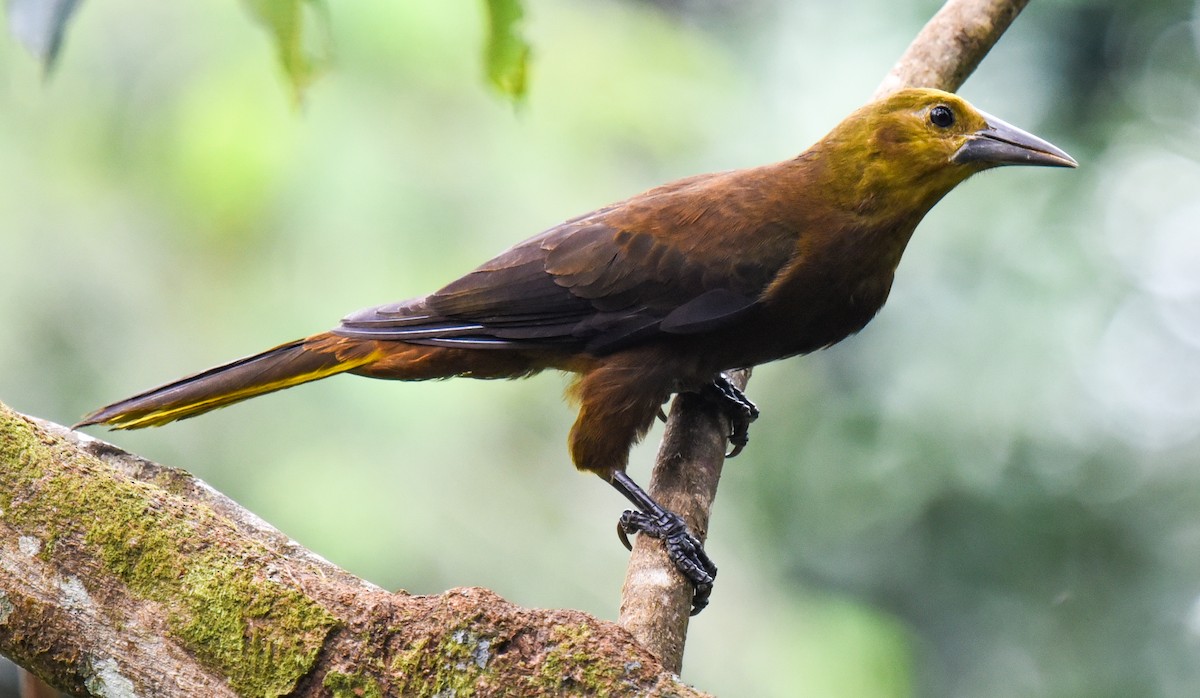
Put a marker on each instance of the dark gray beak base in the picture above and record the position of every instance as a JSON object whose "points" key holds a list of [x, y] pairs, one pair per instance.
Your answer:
{"points": [[1000, 143]]}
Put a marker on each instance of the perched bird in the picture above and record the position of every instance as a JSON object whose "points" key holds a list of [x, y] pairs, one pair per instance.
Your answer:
{"points": [[660, 293]]}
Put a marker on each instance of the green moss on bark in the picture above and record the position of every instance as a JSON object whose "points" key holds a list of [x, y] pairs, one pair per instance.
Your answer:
{"points": [[219, 601], [351, 686], [455, 666], [571, 665]]}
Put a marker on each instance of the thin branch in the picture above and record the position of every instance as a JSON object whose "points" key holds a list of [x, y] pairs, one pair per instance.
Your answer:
{"points": [[951, 45], [119, 576], [656, 598]]}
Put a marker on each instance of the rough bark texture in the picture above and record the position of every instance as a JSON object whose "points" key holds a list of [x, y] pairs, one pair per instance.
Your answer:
{"points": [[120, 577], [655, 597]]}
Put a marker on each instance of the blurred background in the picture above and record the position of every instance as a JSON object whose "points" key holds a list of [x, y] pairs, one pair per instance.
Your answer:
{"points": [[994, 490]]}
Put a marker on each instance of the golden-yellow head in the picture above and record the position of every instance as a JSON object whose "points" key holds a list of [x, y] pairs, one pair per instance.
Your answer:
{"points": [[917, 144], [945, 128]]}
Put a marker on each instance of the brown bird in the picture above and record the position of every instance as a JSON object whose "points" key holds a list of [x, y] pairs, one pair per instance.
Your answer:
{"points": [[660, 293]]}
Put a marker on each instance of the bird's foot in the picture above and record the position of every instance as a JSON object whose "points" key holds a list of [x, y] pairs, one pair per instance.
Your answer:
{"points": [[737, 408], [683, 548]]}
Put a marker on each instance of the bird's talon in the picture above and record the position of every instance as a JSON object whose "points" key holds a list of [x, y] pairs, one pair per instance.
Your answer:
{"points": [[700, 598], [683, 548], [632, 522], [624, 537], [738, 409]]}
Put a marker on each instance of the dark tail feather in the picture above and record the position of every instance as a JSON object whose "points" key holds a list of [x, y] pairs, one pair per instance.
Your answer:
{"points": [[286, 365]]}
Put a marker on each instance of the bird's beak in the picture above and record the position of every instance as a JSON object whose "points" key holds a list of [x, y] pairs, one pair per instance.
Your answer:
{"points": [[1000, 143]]}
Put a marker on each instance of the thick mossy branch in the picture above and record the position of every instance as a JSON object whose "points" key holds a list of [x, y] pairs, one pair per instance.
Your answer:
{"points": [[207, 580], [117, 574]]}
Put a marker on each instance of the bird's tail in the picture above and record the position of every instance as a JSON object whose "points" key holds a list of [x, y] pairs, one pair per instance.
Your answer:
{"points": [[286, 365]]}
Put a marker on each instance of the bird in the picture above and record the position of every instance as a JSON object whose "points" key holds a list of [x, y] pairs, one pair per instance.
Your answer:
{"points": [[662, 293]]}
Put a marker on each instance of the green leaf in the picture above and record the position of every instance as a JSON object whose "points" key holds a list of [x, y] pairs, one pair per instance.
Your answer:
{"points": [[300, 29], [507, 54], [39, 25]]}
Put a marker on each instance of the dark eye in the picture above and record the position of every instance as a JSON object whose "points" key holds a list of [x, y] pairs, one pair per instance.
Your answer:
{"points": [[941, 116]]}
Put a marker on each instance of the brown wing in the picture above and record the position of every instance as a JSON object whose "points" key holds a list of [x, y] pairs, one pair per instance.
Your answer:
{"points": [[671, 261]]}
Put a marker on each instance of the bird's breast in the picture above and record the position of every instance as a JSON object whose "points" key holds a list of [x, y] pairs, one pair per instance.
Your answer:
{"points": [[836, 284], [812, 315], [816, 303]]}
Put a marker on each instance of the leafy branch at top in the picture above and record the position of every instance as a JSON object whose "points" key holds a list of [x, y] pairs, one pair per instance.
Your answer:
{"points": [[300, 30]]}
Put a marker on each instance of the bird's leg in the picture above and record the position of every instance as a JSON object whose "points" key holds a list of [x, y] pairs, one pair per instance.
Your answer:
{"points": [[737, 408], [683, 548]]}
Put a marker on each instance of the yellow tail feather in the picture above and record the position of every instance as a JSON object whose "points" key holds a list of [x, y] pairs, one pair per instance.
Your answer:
{"points": [[284, 366]]}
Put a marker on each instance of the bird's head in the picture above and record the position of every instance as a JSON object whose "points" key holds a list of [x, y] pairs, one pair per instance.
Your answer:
{"points": [[923, 141], [943, 128]]}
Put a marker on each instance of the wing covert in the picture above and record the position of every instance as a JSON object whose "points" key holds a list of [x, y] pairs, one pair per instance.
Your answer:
{"points": [[601, 281]]}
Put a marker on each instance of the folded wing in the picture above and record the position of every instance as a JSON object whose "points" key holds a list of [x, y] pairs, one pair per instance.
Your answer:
{"points": [[598, 283]]}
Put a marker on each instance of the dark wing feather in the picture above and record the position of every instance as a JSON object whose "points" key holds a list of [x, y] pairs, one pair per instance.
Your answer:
{"points": [[603, 281], [708, 311]]}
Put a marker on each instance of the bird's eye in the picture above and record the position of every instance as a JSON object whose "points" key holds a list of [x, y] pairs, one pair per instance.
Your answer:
{"points": [[941, 116]]}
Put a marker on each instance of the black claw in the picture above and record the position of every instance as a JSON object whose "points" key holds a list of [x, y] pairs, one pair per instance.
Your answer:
{"points": [[623, 528], [683, 548], [738, 440], [737, 408]]}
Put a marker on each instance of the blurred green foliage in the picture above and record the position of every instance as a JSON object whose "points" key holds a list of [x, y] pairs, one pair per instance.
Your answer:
{"points": [[993, 491], [506, 57], [300, 30]]}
